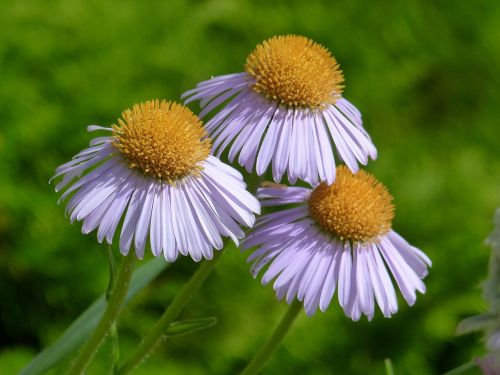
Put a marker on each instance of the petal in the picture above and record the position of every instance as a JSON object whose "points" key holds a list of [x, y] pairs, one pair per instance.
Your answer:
{"points": [[144, 220], [132, 216], [345, 276], [270, 140]]}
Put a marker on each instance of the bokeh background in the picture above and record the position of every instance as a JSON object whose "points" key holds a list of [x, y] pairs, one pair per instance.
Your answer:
{"points": [[425, 76]]}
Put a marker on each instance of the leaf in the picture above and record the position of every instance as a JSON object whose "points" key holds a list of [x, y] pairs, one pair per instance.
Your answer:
{"points": [[494, 238], [185, 327], [475, 323], [80, 329]]}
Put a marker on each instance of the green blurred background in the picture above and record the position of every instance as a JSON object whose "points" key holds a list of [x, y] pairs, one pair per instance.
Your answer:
{"points": [[425, 76]]}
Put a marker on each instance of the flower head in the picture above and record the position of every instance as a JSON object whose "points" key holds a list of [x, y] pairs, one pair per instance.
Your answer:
{"points": [[285, 109], [154, 174], [337, 236]]}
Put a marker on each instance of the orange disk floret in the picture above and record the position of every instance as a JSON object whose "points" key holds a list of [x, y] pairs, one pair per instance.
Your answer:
{"points": [[163, 139], [356, 207], [295, 71]]}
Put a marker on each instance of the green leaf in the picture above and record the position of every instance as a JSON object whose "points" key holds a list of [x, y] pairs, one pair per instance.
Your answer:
{"points": [[185, 327], [80, 329], [475, 323], [464, 369]]}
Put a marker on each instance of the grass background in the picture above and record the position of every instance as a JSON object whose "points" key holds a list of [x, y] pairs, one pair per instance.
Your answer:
{"points": [[424, 75]]}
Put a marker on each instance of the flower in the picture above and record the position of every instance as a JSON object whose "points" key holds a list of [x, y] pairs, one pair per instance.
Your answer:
{"points": [[287, 107], [155, 171], [489, 364], [336, 235]]}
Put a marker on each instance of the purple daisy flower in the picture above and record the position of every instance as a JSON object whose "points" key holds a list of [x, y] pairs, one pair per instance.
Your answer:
{"points": [[154, 170], [336, 236], [286, 108]]}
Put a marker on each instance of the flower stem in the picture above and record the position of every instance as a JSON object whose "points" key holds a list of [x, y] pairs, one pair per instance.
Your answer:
{"points": [[150, 341], [389, 369], [113, 331], [260, 359], [110, 315]]}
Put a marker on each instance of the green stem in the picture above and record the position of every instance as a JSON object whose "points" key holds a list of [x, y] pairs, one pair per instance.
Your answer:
{"points": [[260, 359], [115, 349], [108, 318], [461, 369], [112, 273], [389, 369], [113, 331], [149, 342]]}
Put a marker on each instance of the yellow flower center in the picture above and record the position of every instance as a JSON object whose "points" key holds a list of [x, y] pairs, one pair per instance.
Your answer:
{"points": [[295, 71], [356, 207], [163, 139]]}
